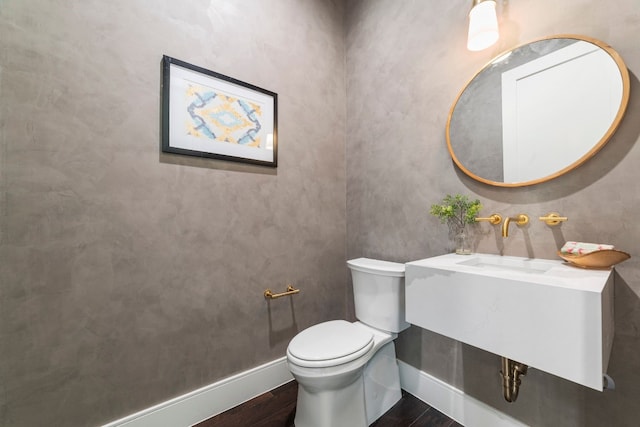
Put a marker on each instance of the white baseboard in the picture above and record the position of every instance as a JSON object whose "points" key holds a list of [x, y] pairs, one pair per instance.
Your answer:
{"points": [[452, 402], [208, 401], [211, 400]]}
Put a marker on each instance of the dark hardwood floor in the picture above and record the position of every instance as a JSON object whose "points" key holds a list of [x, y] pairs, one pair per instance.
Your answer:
{"points": [[277, 408]]}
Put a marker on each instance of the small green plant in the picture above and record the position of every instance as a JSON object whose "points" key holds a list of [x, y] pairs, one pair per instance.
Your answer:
{"points": [[456, 211]]}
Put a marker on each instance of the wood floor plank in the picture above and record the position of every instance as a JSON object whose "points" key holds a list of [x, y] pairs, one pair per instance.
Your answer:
{"points": [[273, 405], [432, 418], [403, 413]]}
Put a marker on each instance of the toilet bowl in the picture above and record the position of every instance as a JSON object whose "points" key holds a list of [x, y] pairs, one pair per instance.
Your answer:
{"points": [[347, 373]]}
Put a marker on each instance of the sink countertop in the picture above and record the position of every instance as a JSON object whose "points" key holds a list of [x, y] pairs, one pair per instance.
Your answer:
{"points": [[556, 272]]}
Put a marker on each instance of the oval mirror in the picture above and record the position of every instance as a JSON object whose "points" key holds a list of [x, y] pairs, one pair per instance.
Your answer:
{"points": [[538, 111]]}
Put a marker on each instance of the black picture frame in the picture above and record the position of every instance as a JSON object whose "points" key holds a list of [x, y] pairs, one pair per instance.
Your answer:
{"points": [[211, 115]]}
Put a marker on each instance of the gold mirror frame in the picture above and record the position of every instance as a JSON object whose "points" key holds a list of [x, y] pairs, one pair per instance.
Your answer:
{"points": [[614, 125]]}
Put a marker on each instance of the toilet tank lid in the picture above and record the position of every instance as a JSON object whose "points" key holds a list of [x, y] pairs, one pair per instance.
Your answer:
{"points": [[375, 266]]}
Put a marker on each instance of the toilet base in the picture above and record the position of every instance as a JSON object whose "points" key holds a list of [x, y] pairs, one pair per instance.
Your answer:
{"points": [[332, 408], [363, 396], [381, 383]]}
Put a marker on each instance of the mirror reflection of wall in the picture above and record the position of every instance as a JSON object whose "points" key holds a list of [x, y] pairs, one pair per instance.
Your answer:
{"points": [[556, 104], [547, 103]]}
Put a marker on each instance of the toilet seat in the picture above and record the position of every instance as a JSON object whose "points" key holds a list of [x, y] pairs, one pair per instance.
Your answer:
{"points": [[329, 344]]}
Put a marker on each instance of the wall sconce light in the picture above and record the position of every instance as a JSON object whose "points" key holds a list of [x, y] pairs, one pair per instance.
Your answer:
{"points": [[483, 25]]}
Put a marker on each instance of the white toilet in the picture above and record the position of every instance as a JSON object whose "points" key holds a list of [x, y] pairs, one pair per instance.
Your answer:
{"points": [[347, 372]]}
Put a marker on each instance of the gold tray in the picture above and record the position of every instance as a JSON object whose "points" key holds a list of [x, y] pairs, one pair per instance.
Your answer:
{"points": [[603, 259]]}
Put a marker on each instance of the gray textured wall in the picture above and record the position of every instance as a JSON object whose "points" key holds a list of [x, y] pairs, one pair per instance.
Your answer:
{"points": [[406, 62], [129, 277]]}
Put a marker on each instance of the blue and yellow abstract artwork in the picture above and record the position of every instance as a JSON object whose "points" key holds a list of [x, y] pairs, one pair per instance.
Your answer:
{"points": [[223, 118], [208, 114]]}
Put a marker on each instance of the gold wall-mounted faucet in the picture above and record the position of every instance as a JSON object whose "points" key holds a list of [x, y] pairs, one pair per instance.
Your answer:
{"points": [[494, 219], [520, 220]]}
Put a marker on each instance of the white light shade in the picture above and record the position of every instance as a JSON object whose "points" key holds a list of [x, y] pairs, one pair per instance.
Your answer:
{"points": [[483, 26]]}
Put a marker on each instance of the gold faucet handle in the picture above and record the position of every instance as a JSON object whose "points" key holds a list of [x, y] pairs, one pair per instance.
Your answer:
{"points": [[494, 219], [553, 218], [522, 219]]}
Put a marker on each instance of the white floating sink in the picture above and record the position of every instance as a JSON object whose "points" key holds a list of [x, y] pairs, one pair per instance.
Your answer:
{"points": [[543, 313]]}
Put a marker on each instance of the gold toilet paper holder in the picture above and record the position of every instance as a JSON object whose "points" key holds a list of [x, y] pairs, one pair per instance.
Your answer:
{"points": [[268, 294]]}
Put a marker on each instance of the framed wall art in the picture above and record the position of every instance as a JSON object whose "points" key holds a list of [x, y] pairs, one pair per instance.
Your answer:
{"points": [[208, 114]]}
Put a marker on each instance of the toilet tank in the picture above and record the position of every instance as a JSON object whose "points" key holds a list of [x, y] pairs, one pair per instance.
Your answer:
{"points": [[378, 293]]}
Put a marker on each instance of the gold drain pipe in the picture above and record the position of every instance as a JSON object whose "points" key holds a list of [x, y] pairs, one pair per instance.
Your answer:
{"points": [[511, 373]]}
